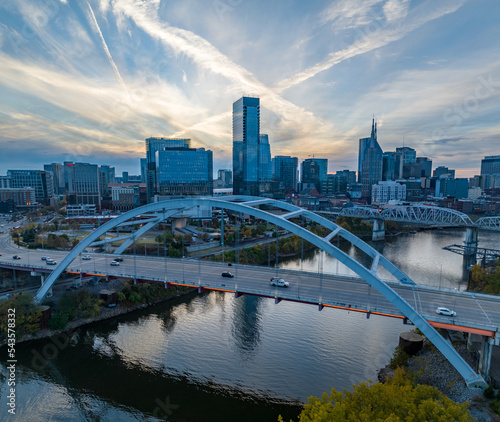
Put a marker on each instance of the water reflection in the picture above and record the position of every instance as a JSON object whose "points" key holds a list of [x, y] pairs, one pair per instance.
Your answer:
{"points": [[246, 324]]}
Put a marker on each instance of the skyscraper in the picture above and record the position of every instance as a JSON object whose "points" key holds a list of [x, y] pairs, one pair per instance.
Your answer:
{"points": [[370, 163], [490, 165], [314, 170], [265, 163], [285, 170], [246, 131]]}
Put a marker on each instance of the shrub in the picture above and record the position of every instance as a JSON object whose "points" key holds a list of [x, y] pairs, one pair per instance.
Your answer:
{"points": [[489, 392]]}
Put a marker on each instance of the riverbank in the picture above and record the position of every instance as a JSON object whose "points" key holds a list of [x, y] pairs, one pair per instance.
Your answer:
{"points": [[106, 313], [430, 367]]}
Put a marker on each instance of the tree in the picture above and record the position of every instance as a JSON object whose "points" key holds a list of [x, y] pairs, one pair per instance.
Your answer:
{"points": [[397, 400]]}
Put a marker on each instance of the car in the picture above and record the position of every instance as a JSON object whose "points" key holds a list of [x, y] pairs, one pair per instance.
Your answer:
{"points": [[86, 257], [16, 257], [227, 274], [279, 282], [114, 263], [446, 312], [51, 262], [119, 259], [44, 258]]}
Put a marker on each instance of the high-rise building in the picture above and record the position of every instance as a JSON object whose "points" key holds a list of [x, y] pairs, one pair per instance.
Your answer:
{"points": [[84, 184], [425, 166], [285, 169], [490, 165], [57, 170], [246, 149], [409, 154], [41, 181], [174, 168], [314, 170], [370, 163], [144, 169], [265, 163], [442, 170], [4, 182], [107, 175]]}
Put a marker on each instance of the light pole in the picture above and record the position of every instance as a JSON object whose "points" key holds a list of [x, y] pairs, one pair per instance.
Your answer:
{"points": [[440, 276]]}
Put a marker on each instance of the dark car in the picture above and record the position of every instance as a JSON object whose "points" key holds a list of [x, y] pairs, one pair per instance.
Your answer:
{"points": [[119, 259], [227, 274], [16, 257]]}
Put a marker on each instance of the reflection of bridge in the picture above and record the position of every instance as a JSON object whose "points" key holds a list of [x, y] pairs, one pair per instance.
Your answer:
{"points": [[402, 298]]}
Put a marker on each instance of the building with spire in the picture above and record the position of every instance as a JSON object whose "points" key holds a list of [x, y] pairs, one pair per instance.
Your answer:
{"points": [[370, 161]]}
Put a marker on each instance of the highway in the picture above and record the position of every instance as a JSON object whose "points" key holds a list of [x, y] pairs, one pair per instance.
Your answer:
{"points": [[475, 312]]}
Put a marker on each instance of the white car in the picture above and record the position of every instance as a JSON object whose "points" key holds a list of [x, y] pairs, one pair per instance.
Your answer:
{"points": [[446, 311], [50, 261], [114, 263], [276, 281], [86, 257]]}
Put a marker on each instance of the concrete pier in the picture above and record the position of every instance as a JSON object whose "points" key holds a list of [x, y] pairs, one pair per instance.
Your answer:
{"points": [[378, 230]]}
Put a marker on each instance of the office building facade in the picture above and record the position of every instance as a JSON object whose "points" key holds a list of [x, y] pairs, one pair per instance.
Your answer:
{"points": [[41, 181], [285, 170], [490, 165], [174, 168]]}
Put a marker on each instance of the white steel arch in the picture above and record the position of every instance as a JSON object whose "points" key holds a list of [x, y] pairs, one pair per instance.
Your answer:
{"points": [[247, 205]]}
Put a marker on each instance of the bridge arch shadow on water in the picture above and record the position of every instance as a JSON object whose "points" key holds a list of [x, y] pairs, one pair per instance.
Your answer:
{"points": [[160, 211]]}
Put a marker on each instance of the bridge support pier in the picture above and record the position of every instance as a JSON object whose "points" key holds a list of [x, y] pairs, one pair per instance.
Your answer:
{"points": [[470, 253], [42, 278], [484, 346], [378, 230]]}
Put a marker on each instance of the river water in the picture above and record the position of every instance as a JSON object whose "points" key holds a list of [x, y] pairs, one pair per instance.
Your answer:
{"points": [[212, 357]]}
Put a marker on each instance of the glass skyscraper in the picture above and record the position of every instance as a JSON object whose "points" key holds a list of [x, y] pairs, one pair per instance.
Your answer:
{"points": [[246, 131], [370, 163], [285, 170]]}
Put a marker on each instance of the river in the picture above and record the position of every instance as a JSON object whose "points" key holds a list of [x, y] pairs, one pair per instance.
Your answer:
{"points": [[212, 357]]}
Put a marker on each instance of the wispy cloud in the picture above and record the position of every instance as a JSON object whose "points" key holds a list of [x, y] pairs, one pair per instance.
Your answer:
{"points": [[106, 49]]}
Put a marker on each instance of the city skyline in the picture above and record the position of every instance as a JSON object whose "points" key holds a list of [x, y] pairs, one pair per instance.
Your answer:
{"points": [[90, 81]]}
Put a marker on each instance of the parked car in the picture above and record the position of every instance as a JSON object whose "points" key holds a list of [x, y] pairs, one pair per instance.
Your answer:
{"points": [[279, 282], [51, 262], [16, 257], [86, 257], [114, 263], [227, 274], [446, 312]]}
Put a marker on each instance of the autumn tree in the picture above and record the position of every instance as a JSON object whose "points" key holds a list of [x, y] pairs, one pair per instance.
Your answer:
{"points": [[397, 400]]}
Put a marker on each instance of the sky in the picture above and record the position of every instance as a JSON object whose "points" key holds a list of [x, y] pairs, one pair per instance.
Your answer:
{"points": [[90, 80]]}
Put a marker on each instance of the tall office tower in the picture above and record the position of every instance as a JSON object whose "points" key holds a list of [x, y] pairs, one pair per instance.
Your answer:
{"points": [[144, 169], [409, 154], [370, 163], [57, 170], [265, 163], [176, 169], [285, 170], [490, 165], [41, 181], [107, 176], [442, 170], [84, 184], [425, 166], [246, 131], [389, 166], [314, 170]]}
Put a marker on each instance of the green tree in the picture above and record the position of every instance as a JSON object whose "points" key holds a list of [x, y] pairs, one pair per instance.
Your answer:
{"points": [[27, 315], [397, 400]]}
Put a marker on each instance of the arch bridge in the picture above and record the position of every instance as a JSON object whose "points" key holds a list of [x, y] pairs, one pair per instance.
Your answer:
{"points": [[160, 211]]}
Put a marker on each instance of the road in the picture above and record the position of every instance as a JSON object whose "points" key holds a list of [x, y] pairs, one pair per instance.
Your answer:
{"points": [[474, 311]]}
